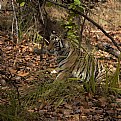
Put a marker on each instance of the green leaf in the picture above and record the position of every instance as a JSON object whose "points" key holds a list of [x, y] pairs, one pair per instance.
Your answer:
{"points": [[22, 4], [72, 6], [68, 27], [60, 101], [49, 4], [77, 2], [81, 8]]}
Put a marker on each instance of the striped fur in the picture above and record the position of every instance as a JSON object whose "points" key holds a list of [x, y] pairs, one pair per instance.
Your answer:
{"points": [[73, 61]]}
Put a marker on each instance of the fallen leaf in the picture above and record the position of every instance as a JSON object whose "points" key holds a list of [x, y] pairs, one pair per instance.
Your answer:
{"points": [[103, 101], [13, 71], [21, 73]]}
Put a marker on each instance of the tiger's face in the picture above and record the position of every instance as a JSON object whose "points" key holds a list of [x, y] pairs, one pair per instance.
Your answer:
{"points": [[56, 44]]}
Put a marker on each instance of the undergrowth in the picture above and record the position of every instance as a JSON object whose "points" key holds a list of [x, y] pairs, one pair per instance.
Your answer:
{"points": [[55, 92], [50, 93]]}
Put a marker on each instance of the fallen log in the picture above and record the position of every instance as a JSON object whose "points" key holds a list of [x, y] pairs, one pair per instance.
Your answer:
{"points": [[108, 48]]}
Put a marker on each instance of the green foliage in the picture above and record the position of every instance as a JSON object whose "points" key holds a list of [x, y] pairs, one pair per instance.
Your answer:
{"points": [[114, 79], [106, 80], [10, 111], [58, 91], [22, 4], [90, 69], [49, 4], [71, 24], [20, 1], [37, 38], [77, 6], [89, 60], [77, 2], [71, 28], [27, 23]]}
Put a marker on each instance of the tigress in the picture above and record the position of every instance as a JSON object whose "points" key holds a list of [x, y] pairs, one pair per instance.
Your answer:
{"points": [[74, 62]]}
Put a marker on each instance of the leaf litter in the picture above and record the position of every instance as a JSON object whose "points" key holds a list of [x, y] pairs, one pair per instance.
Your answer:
{"points": [[20, 64]]}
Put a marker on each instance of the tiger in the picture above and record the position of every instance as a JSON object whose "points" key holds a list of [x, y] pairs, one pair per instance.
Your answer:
{"points": [[74, 62]]}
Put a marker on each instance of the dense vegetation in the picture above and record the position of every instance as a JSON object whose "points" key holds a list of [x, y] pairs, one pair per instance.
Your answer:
{"points": [[30, 89]]}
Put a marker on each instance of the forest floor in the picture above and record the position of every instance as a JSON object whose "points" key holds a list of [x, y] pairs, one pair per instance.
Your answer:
{"points": [[21, 68], [23, 76]]}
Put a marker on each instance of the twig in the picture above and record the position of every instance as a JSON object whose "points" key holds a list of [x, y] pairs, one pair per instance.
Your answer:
{"points": [[14, 18], [90, 20], [82, 29], [44, 22]]}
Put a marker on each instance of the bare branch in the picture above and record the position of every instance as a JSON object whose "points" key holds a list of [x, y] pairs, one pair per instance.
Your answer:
{"points": [[14, 18], [107, 48], [90, 20]]}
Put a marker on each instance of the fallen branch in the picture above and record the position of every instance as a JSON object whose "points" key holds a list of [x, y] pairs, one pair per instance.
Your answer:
{"points": [[107, 48], [90, 20]]}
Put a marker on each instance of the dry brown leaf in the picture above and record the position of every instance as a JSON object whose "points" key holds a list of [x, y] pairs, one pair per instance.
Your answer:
{"points": [[30, 110], [2, 82], [83, 118], [103, 101], [67, 111], [30, 78], [118, 100], [22, 73], [1, 42], [13, 71]]}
